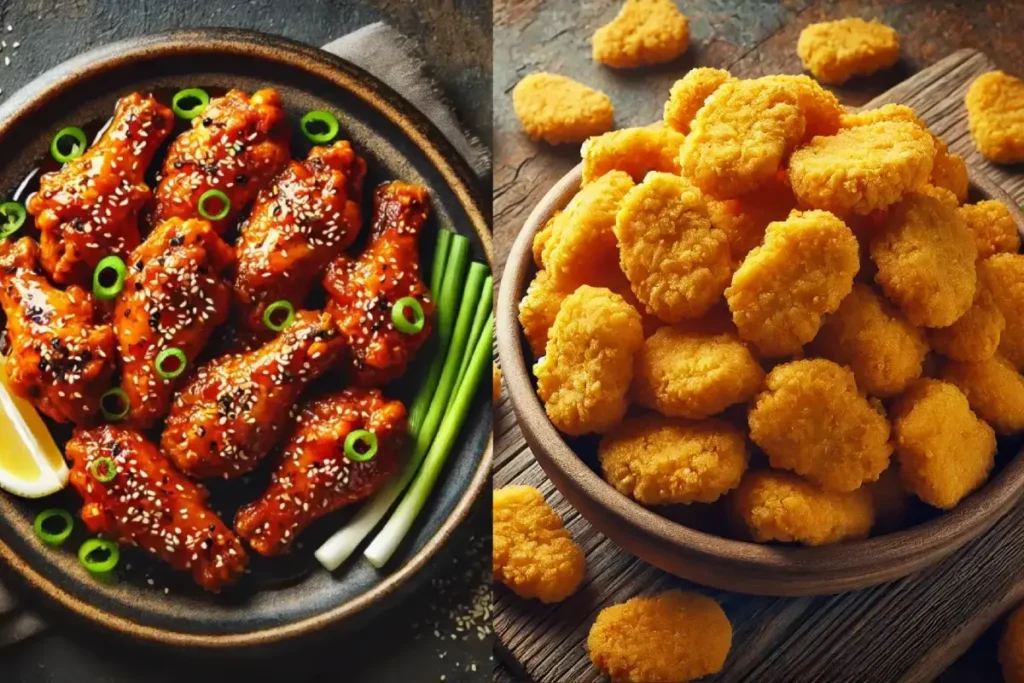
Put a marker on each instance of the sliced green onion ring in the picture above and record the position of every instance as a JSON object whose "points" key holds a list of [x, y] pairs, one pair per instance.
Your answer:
{"points": [[401, 320], [360, 438], [54, 537], [225, 205], [189, 113], [108, 278], [99, 546], [171, 354], [272, 315], [319, 119], [103, 469], [77, 148], [114, 404], [15, 214]]}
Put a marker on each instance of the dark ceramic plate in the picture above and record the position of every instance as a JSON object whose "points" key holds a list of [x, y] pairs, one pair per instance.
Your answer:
{"points": [[277, 599]]}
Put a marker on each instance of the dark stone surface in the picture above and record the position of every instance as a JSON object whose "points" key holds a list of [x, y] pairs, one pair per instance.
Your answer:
{"points": [[454, 39]]}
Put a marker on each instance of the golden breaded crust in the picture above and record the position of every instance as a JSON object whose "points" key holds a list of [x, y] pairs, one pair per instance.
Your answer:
{"points": [[677, 262], [945, 452], [1003, 274], [694, 374], [674, 636], [533, 553], [820, 107], [560, 110], [744, 219], [540, 240], [975, 336], [688, 94], [741, 135], [875, 341], [662, 461], [802, 271], [887, 112], [780, 506], [994, 390], [861, 169], [582, 248], [995, 116], [941, 194], [813, 420], [636, 151], [537, 311], [926, 261], [836, 51], [644, 32], [993, 227], [587, 368], [949, 171], [1011, 648]]}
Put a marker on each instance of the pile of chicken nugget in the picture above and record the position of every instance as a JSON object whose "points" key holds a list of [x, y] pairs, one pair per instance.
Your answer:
{"points": [[771, 298]]}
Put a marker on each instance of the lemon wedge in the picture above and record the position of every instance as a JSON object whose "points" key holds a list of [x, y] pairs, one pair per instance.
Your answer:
{"points": [[31, 464]]}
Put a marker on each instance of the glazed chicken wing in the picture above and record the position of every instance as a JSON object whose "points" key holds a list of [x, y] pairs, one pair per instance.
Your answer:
{"points": [[150, 504], [230, 414], [297, 227], [237, 145], [175, 295], [314, 477], [363, 290], [89, 209], [58, 359]]}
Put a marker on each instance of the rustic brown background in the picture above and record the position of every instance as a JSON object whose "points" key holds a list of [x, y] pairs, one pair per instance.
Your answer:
{"points": [[750, 39]]}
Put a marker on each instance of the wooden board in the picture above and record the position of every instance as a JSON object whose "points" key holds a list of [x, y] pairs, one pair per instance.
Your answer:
{"points": [[908, 630]]}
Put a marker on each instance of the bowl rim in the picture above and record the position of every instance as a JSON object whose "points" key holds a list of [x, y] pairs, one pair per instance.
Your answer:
{"points": [[948, 531], [342, 74]]}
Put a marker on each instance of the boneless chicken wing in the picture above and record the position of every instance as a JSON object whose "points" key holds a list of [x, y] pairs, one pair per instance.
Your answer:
{"points": [[314, 476], [151, 505], [364, 290], [298, 225], [236, 146], [89, 209], [58, 359], [230, 414], [175, 295]]}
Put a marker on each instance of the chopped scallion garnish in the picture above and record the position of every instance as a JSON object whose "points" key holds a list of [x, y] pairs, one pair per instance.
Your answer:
{"points": [[52, 535]]}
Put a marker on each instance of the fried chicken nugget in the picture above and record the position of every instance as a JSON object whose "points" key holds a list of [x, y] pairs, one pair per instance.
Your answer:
{"points": [[836, 51], [675, 636], [662, 461], [945, 452], [537, 311], [677, 262], [694, 374], [813, 420], [873, 339], [582, 247], [941, 194], [821, 108], [559, 110], [780, 506], [636, 151], [741, 135], [949, 171], [802, 271], [688, 94], [975, 336], [995, 116], [862, 169], [1011, 648], [885, 113], [540, 240], [644, 32], [533, 553], [1003, 274], [744, 219], [994, 390], [587, 368], [993, 227], [926, 261]]}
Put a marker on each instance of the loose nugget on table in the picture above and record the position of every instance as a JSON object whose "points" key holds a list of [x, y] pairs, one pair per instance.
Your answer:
{"points": [[836, 51]]}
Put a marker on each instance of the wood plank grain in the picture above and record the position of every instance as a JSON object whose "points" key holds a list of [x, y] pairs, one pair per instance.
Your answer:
{"points": [[907, 630]]}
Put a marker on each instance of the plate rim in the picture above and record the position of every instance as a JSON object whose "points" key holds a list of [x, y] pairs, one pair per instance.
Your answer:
{"points": [[344, 75]]}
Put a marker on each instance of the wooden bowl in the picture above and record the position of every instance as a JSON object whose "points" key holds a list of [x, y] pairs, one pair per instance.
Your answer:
{"points": [[777, 569]]}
